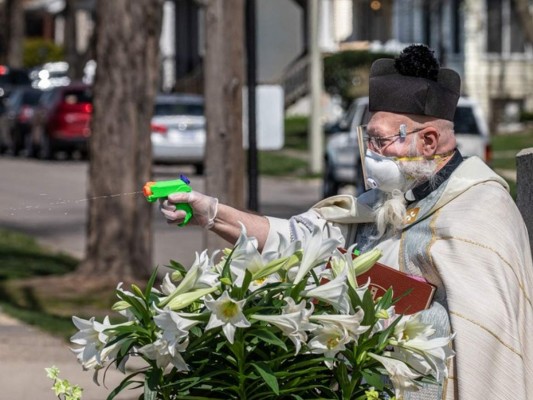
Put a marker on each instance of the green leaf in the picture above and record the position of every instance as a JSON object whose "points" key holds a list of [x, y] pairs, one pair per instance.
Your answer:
{"points": [[124, 384], [138, 309], [268, 376], [226, 273], [267, 336], [151, 384], [150, 284], [373, 379], [177, 267]]}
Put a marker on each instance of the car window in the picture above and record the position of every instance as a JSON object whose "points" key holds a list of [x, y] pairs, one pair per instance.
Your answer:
{"points": [[14, 77], [77, 96], [465, 121], [31, 97], [164, 109]]}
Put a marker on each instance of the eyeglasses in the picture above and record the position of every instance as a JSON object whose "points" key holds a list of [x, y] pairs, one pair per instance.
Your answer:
{"points": [[378, 143]]}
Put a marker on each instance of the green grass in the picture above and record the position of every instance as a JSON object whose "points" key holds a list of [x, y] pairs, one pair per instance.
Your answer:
{"points": [[278, 164], [506, 147], [22, 257], [54, 324], [296, 133]]}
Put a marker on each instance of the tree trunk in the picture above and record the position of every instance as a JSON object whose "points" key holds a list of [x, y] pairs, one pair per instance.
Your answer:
{"points": [[76, 59], [15, 32], [119, 234], [224, 75]]}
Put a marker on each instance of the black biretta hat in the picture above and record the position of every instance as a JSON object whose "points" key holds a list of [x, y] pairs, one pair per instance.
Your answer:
{"points": [[414, 83]]}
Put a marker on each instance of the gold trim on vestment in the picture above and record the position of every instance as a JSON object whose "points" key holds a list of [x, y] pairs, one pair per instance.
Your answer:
{"points": [[520, 285], [488, 331]]}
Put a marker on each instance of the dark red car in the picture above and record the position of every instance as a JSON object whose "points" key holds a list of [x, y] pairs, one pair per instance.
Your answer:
{"points": [[62, 121]]}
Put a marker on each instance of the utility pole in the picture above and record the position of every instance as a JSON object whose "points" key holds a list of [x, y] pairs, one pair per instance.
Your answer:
{"points": [[224, 76], [251, 82], [315, 83]]}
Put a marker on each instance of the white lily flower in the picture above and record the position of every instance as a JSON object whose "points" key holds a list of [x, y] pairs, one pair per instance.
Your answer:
{"points": [[201, 275], [160, 352], [246, 257], [350, 322], [227, 313], [411, 327], [167, 287], [293, 322], [401, 376], [333, 292], [174, 328], [413, 345], [289, 324], [93, 341], [329, 340], [316, 251]]}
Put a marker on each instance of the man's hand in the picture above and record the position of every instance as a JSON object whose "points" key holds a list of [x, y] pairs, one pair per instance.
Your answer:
{"points": [[204, 208]]}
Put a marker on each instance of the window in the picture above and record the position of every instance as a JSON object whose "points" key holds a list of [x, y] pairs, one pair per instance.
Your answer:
{"points": [[504, 28]]}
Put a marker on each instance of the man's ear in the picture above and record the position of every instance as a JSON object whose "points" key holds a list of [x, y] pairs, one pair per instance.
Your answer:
{"points": [[429, 138]]}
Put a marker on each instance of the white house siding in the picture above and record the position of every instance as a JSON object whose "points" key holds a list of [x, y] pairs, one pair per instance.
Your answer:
{"points": [[489, 77]]}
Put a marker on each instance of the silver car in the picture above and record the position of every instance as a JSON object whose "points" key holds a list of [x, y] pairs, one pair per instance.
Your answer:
{"points": [[178, 130], [343, 163]]}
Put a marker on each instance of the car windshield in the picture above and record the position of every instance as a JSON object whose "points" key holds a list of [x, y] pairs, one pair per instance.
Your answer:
{"points": [[464, 121], [166, 109]]}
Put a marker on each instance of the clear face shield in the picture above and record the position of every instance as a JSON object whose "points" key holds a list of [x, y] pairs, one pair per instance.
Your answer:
{"points": [[381, 172]]}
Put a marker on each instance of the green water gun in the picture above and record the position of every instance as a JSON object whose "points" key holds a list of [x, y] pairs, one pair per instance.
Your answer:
{"points": [[158, 190]]}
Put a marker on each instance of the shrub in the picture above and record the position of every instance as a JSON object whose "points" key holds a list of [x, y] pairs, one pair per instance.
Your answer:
{"points": [[346, 73], [38, 51]]}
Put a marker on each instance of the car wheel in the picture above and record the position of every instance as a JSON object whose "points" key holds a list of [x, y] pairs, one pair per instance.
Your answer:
{"points": [[18, 142], [330, 187], [45, 151]]}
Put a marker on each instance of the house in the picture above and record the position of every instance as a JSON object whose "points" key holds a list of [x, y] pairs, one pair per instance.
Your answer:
{"points": [[484, 40]]}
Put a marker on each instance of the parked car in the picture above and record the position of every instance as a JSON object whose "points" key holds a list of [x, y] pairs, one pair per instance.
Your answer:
{"points": [[62, 121], [10, 79], [178, 130], [20, 109], [342, 160]]}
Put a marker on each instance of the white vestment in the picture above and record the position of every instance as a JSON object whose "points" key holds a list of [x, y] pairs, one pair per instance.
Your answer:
{"points": [[474, 246]]}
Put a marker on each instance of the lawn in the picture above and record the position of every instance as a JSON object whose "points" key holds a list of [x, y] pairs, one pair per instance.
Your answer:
{"points": [[506, 147]]}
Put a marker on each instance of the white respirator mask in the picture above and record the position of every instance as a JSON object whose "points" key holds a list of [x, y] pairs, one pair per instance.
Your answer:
{"points": [[384, 173]]}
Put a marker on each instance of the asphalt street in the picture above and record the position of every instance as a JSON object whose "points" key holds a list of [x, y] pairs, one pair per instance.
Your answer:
{"points": [[48, 201]]}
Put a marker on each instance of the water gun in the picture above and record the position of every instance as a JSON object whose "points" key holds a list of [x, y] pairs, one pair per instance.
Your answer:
{"points": [[158, 190]]}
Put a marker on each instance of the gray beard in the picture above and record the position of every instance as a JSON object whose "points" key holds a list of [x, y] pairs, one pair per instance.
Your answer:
{"points": [[390, 211], [389, 214]]}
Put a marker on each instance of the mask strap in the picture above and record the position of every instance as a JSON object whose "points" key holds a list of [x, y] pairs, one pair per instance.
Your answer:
{"points": [[420, 158]]}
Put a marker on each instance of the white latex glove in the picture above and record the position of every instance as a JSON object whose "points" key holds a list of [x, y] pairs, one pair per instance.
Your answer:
{"points": [[204, 208]]}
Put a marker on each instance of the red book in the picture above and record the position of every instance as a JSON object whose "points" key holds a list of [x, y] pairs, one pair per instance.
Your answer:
{"points": [[383, 277]]}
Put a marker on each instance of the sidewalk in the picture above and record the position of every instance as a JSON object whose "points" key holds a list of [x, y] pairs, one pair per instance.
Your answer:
{"points": [[26, 351]]}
